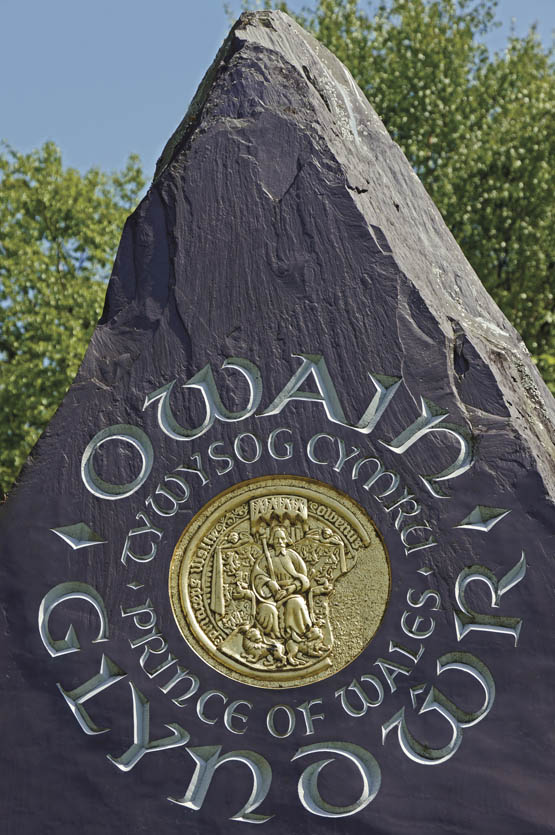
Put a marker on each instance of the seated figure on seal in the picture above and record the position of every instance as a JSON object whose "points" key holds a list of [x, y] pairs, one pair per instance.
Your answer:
{"points": [[281, 584]]}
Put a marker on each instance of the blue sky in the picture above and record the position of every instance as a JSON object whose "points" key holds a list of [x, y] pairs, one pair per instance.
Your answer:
{"points": [[106, 78]]}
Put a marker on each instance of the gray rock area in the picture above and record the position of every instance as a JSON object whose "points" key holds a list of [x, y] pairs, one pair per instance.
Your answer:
{"points": [[285, 228]]}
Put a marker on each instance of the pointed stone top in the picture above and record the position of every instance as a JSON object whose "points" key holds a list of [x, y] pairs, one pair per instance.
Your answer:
{"points": [[268, 65]]}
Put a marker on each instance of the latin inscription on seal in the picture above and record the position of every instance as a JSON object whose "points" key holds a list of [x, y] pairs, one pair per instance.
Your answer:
{"points": [[279, 581]]}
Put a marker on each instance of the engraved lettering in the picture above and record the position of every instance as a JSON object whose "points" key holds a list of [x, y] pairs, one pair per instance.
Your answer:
{"points": [[118, 432], [456, 718], [291, 721], [287, 444], [467, 620], [135, 611], [171, 659], [385, 390], [205, 383], [142, 744], [312, 365], [423, 598], [202, 701], [215, 456], [179, 676], [366, 764], [109, 674], [57, 595], [391, 670], [232, 713], [431, 420], [310, 717], [148, 528], [198, 470], [174, 500], [413, 631], [415, 658], [362, 695], [416, 546], [239, 451], [312, 443], [378, 473], [343, 457], [207, 760]]}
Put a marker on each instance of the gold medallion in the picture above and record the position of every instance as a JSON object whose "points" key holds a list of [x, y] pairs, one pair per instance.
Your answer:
{"points": [[279, 581]]}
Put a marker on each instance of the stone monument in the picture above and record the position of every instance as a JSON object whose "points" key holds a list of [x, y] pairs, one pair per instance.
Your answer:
{"points": [[284, 554]]}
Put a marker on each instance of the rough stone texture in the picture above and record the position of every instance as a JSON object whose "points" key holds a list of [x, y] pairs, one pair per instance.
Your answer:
{"points": [[284, 220]]}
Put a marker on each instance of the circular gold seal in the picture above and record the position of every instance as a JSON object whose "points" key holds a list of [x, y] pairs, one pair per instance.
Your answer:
{"points": [[279, 581]]}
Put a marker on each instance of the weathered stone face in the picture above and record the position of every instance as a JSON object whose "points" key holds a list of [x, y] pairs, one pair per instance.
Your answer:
{"points": [[286, 305]]}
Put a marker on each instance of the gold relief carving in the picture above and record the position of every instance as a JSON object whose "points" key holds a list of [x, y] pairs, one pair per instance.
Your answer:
{"points": [[279, 581]]}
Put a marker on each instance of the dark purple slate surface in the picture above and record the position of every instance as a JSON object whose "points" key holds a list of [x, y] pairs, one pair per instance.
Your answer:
{"points": [[282, 221]]}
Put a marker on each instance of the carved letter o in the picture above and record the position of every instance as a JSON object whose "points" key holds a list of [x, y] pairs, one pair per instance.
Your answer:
{"points": [[118, 432]]}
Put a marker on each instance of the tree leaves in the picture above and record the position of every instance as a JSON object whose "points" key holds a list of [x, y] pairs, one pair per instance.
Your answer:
{"points": [[58, 234]]}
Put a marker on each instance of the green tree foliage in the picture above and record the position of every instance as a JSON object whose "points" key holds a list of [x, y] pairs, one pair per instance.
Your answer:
{"points": [[58, 234], [479, 130]]}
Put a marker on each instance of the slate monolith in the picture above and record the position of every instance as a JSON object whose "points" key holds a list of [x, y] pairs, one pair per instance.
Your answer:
{"points": [[284, 555]]}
